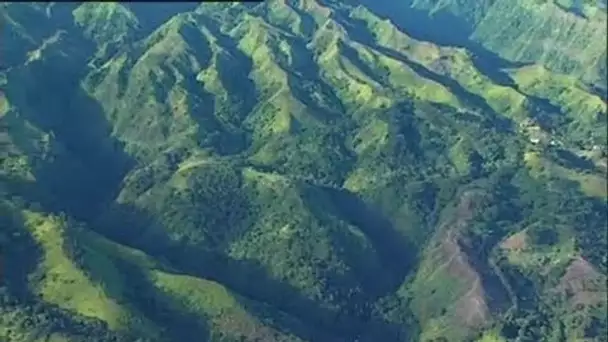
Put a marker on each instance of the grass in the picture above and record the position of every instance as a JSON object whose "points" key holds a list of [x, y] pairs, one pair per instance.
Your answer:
{"points": [[564, 91], [460, 156], [211, 77], [363, 179], [432, 300], [5, 106], [223, 311], [403, 78], [457, 64], [250, 72], [491, 336], [204, 297], [353, 85], [118, 252], [441, 327], [93, 286], [265, 180], [383, 31], [283, 16], [105, 22], [60, 281], [502, 99], [278, 109], [543, 258], [568, 40], [372, 136], [591, 184]]}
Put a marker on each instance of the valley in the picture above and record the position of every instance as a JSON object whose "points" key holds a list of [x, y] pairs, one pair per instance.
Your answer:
{"points": [[309, 170]]}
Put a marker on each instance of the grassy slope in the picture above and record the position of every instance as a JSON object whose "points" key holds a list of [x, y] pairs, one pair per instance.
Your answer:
{"points": [[564, 31], [557, 34], [249, 180]]}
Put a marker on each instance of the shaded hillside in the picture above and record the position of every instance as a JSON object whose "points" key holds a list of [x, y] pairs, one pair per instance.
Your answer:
{"points": [[296, 171], [565, 36]]}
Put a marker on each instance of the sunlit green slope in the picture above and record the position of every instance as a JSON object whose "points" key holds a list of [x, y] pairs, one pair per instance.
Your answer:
{"points": [[566, 36], [295, 171]]}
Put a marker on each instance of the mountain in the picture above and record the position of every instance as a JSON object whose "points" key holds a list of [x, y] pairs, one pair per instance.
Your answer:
{"points": [[305, 170], [566, 36]]}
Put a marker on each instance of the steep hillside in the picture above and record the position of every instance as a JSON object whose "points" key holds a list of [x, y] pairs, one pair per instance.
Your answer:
{"points": [[302, 171], [565, 36]]}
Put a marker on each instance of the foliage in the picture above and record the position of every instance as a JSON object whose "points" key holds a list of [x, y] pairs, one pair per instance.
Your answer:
{"points": [[301, 171]]}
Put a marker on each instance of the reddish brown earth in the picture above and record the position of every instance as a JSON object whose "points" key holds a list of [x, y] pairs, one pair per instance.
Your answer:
{"points": [[515, 242], [486, 294], [250, 329], [583, 284]]}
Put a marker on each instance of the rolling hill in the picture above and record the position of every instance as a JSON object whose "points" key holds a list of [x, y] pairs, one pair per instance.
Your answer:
{"points": [[308, 170]]}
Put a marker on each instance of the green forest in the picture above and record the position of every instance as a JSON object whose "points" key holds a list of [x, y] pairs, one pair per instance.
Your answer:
{"points": [[304, 170]]}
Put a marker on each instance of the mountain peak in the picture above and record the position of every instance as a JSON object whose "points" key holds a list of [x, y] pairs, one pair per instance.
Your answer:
{"points": [[303, 171]]}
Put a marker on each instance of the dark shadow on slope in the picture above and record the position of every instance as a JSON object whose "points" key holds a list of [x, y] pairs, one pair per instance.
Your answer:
{"points": [[23, 192], [284, 322], [25, 30], [308, 25], [51, 98], [443, 29], [247, 278], [492, 66], [406, 137], [151, 16], [396, 257], [234, 69], [575, 8], [525, 291], [552, 118], [307, 81], [548, 115], [466, 251], [172, 323], [200, 104], [496, 293], [20, 254], [570, 160], [225, 138], [250, 279], [500, 122], [393, 248], [178, 324], [600, 91], [353, 56]]}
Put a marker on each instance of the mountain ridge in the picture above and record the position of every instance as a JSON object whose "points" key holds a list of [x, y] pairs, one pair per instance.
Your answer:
{"points": [[294, 171]]}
